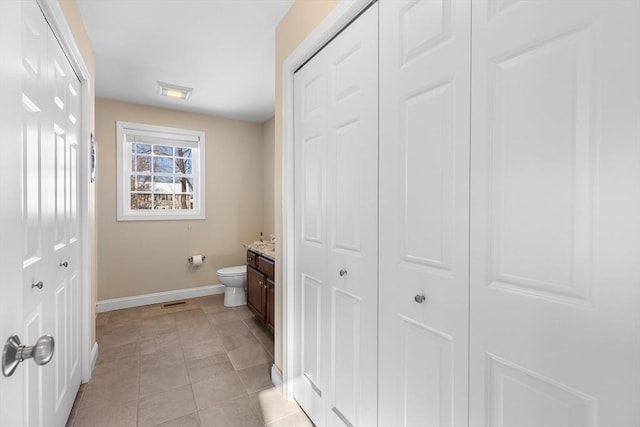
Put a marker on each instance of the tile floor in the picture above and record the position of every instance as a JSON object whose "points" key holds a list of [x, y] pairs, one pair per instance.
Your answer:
{"points": [[194, 364]]}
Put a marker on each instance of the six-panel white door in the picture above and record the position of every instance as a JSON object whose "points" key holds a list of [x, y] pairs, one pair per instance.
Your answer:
{"points": [[336, 228], [424, 212], [555, 208], [47, 279]]}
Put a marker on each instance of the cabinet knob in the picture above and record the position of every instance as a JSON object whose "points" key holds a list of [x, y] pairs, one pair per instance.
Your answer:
{"points": [[342, 272], [419, 298]]}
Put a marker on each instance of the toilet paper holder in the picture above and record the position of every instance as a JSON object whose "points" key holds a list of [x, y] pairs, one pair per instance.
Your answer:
{"points": [[190, 259]]}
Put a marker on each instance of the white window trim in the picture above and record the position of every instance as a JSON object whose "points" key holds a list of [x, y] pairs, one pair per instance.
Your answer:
{"points": [[124, 212]]}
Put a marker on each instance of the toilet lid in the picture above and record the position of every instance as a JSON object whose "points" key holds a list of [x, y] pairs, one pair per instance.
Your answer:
{"points": [[238, 270]]}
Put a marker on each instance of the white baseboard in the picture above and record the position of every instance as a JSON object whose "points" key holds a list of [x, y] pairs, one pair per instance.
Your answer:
{"points": [[276, 375], [158, 297], [94, 356]]}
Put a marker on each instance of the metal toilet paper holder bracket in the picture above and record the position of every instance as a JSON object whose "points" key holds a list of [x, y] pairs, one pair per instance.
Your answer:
{"points": [[190, 259]]}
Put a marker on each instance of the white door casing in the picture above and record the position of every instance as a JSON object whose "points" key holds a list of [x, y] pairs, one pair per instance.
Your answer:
{"points": [[45, 177], [424, 215], [554, 214], [336, 228]]}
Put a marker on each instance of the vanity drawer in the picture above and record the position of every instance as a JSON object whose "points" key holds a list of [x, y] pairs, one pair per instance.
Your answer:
{"points": [[252, 259], [266, 266]]}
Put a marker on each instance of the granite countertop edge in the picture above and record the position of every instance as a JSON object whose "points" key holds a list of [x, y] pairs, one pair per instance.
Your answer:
{"points": [[265, 249]]}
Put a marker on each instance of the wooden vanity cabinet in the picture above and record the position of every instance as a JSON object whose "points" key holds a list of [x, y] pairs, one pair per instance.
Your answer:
{"points": [[260, 287]]}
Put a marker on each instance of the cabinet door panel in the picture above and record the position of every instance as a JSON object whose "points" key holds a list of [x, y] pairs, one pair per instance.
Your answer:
{"points": [[255, 292], [270, 300]]}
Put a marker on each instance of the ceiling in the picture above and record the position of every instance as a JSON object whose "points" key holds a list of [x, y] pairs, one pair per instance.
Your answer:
{"points": [[224, 49]]}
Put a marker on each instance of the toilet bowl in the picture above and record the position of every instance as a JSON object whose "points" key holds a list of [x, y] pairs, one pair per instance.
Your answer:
{"points": [[234, 280]]}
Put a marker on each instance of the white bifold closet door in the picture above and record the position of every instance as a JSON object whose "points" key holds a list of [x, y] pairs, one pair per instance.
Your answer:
{"points": [[50, 220], [336, 205], [555, 214], [424, 212]]}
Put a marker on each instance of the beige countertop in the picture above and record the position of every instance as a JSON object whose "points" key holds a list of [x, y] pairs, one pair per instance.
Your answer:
{"points": [[265, 249]]}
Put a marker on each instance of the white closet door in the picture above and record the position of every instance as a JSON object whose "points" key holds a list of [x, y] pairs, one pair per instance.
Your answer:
{"points": [[424, 215], [336, 167], [352, 202], [50, 222], [62, 296], [555, 211], [311, 239]]}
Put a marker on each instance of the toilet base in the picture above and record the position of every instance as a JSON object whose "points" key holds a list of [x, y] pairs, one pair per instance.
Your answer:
{"points": [[234, 297]]}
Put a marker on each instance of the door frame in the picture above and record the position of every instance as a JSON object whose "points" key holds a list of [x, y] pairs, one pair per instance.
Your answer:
{"points": [[56, 19], [336, 21]]}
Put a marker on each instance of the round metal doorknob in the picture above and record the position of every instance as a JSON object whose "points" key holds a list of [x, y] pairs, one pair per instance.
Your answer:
{"points": [[15, 353], [342, 272], [38, 285], [420, 299]]}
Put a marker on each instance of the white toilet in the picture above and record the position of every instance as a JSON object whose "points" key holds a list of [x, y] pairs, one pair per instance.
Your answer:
{"points": [[234, 280]]}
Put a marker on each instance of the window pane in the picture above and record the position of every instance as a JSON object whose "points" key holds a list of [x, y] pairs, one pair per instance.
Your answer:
{"points": [[140, 201], [142, 148], [162, 165], [183, 166], [163, 201], [162, 150], [183, 152], [141, 183], [184, 201], [163, 184], [184, 185], [143, 164]]}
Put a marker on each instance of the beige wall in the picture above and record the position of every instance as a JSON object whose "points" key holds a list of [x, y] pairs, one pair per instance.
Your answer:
{"points": [[74, 20], [141, 257], [269, 147], [303, 17]]}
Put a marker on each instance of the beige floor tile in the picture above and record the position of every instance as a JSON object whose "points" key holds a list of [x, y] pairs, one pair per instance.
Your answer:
{"points": [[124, 415], [249, 355], [232, 328], [191, 420], [253, 323], [163, 379], [110, 373], [272, 406], [231, 342], [161, 359], [197, 334], [298, 419], [256, 378], [230, 315], [203, 348], [266, 338], [102, 318], [166, 406], [234, 413], [124, 316], [151, 331], [220, 388], [206, 367], [126, 353], [119, 336], [109, 394], [160, 343]]}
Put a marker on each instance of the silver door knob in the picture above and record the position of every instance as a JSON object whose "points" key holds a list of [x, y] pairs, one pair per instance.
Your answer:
{"points": [[14, 353], [64, 264], [419, 298], [38, 285], [342, 272]]}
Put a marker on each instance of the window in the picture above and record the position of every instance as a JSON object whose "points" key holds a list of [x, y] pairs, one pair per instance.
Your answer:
{"points": [[160, 173]]}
